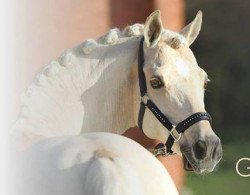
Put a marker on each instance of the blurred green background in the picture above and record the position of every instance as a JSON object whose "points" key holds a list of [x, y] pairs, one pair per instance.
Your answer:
{"points": [[223, 51]]}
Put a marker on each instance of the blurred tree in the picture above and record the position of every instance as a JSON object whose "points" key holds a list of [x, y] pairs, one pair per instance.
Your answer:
{"points": [[223, 49]]}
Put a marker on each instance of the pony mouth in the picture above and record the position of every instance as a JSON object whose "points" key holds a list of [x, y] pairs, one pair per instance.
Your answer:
{"points": [[194, 167]]}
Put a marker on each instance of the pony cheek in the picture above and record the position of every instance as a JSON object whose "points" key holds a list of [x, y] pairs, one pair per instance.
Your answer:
{"points": [[153, 128]]}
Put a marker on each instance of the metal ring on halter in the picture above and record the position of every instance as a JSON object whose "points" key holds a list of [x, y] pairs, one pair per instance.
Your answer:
{"points": [[145, 99], [174, 133]]}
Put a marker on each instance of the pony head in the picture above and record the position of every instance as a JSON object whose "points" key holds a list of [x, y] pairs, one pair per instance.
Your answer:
{"points": [[176, 84]]}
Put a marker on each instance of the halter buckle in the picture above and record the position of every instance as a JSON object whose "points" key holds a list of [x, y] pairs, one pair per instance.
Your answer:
{"points": [[145, 98], [162, 151], [175, 134]]}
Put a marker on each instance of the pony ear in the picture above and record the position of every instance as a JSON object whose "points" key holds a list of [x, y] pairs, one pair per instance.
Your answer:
{"points": [[191, 31], [153, 29]]}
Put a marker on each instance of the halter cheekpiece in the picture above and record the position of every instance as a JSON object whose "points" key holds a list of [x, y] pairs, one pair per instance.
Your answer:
{"points": [[174, 132]]}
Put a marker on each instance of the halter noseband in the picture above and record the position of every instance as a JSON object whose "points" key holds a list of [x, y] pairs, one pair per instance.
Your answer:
{"points": [[174, 132]]}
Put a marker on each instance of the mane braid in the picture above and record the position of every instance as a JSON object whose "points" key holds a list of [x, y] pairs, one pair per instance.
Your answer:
{"points": [[60, 84]]}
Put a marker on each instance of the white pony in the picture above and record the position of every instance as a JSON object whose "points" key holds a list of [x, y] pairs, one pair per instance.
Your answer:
{"points": [[94, 87], [93, 164]]}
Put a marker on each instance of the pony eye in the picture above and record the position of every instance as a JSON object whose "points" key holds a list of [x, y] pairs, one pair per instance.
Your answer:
{"points": [[156, 82]]}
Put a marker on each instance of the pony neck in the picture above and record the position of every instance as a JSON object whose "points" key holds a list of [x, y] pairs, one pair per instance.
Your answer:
{"points": [[81, 92], [109, 102]]}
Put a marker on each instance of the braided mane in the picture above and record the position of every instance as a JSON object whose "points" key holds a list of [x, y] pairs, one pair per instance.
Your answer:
{"points": [[52, 103]]}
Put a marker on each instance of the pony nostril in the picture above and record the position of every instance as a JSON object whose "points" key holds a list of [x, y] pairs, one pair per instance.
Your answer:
{"points": [[200, 149]]}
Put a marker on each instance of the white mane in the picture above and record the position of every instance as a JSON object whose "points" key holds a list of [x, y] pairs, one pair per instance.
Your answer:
{"points": [[52, 104], [115, 36]]}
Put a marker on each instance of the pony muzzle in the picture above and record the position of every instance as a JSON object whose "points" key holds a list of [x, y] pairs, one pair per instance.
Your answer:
{"points": [[203, 155]]}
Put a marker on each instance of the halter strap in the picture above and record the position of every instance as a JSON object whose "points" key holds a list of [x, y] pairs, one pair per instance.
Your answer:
{"points": [[175, 132], [142, 80]]}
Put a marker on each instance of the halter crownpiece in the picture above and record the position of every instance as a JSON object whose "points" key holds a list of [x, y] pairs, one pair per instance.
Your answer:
{"points": [[174, 132]]}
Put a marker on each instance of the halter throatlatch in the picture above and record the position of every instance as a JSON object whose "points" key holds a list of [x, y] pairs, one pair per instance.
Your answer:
{"points": [[174, 132]]}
